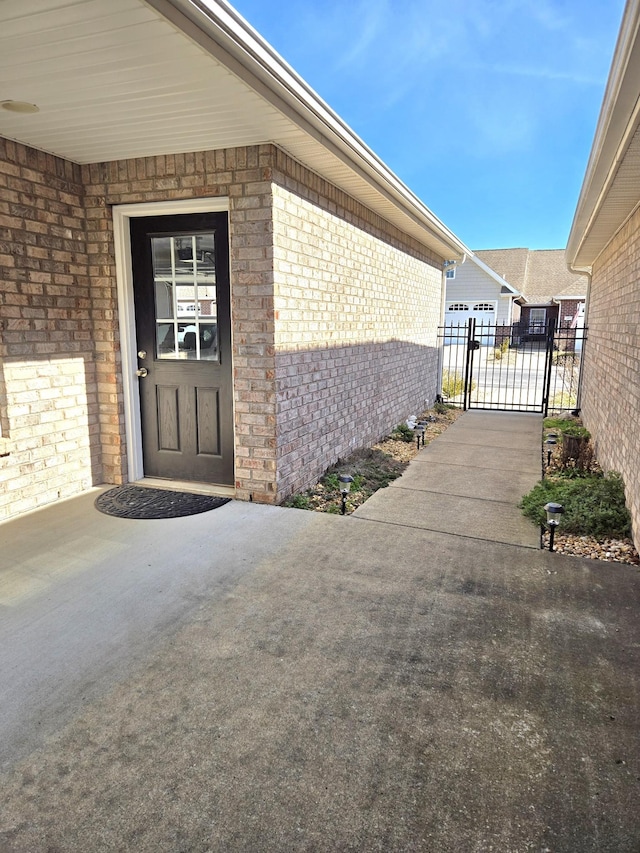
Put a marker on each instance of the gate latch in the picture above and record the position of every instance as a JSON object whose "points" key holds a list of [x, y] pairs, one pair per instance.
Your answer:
{"points": [[474, 345]]}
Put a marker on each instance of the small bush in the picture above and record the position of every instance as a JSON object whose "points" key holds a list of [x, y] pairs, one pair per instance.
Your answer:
{"points": [[331, 482], [403, 433], [575, 430], [299, 501], [593, 505], [557, 423]]}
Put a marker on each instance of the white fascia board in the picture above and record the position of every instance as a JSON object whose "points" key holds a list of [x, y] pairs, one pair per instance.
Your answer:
{"points": [[617, 122], [251, 58], [494, 275], [571, 296]]}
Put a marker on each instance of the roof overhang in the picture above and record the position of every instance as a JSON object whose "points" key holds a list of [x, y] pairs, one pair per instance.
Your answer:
{"points": [[570, 297], [611, 188], [122, 79]]}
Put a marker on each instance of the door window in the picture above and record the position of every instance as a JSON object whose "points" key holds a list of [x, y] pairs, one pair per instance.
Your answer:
{"points": [[184, 276]]}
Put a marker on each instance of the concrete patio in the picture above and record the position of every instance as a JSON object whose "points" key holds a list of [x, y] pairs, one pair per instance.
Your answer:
{"points": [[419, 676]]}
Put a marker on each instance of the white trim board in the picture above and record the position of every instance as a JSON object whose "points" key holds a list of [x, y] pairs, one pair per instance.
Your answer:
{"points": [[122, 214]]}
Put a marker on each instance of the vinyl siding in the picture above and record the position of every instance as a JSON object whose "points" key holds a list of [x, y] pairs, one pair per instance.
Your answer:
{"points": [[473, 285]]}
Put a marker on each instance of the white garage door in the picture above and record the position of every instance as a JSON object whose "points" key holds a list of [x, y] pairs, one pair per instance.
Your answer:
{"points": [[457, 314]]}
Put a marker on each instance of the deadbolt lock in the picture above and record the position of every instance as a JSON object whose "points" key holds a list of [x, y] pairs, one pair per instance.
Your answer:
{"points": [[142, 353]]}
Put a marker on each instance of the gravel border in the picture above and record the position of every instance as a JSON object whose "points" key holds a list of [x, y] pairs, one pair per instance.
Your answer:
{"points": [[608, 550]]}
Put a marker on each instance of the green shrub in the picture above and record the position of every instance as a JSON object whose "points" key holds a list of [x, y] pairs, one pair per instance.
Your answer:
{"points": [[403, 433], [331, 482], [300, 501], [593, 505], [556, 423], [567, 427], [575, 430]]}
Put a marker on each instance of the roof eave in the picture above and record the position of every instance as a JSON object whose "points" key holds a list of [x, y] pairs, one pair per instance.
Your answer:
{"points": [[618, 121], [249, 56]]}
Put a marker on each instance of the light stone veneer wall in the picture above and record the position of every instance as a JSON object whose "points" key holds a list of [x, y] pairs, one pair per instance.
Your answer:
{"points": [[611, 372], [356, 317]]}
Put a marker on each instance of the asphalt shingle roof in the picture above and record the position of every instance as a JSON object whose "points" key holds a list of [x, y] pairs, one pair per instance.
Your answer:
{"points": [[539, 274]]}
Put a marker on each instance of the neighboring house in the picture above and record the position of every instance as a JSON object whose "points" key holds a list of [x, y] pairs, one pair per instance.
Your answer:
{"points": [[473, 289], [549, 292], [604, 244], [205, 275]]}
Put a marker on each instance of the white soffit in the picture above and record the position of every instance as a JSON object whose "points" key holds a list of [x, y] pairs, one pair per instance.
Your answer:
{"points": [[119, 79]]}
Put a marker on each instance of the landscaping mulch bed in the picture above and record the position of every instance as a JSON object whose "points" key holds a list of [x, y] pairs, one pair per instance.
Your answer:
{"points": [[610, 550], [379, 465], [374, 468]]}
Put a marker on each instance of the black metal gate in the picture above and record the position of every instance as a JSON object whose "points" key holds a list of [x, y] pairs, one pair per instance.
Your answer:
{"points": [[511, 368]]}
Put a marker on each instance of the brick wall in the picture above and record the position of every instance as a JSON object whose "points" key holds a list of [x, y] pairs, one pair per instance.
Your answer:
{"points": [[48, 394], [338, 267], [568, 308], [356, 315], [346, 353], [244, 175], [611, 389]]}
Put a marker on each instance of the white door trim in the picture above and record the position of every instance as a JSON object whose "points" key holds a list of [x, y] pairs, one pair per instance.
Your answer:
{"points": [[122, 213]]}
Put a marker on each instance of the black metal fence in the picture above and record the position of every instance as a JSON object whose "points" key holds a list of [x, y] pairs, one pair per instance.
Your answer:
{"points": [[511, 368]]}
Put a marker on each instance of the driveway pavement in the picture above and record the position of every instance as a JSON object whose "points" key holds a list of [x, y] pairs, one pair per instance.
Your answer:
{"points": [[268, 679]]}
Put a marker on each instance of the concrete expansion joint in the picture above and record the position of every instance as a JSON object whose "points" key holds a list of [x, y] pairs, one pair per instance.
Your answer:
{"points": [[483, 498], [446, 533]]}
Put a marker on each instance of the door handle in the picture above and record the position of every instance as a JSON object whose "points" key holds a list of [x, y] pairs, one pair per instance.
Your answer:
{"points": [[142, 372]]}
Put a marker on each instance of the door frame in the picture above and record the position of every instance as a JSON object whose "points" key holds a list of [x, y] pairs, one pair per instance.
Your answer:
{"points": [[122, 214]]}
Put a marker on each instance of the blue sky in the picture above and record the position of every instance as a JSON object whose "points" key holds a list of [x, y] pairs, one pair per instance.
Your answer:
{"points": [[486, 109]]}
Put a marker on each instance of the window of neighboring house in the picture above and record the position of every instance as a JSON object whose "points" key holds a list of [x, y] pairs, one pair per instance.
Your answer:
{"points": [[451, 273], [483, 306], [458, 306], [537, 320]]}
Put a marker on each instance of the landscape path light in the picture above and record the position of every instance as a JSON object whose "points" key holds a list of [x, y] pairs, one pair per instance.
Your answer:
{"points": [[419, 431], [551, 443], [345, 486], [554, 512]]}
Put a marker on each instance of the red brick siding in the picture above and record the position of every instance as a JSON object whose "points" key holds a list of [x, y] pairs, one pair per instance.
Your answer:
{"points": [[568, 308]]}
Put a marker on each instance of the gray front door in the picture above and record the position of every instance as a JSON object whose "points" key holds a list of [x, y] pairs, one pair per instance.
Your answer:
{"points": [[183, 327]]}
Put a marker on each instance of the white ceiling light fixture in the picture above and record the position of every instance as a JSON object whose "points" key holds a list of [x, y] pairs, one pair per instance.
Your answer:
{"points": [[19, 107]]}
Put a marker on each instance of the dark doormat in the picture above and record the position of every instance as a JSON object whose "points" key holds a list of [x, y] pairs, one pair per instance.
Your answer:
{"points": [[143, 502]]}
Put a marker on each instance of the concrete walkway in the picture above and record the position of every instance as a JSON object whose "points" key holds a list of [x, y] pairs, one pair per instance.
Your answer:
{"points": [[469, 481], [417, 677]]}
